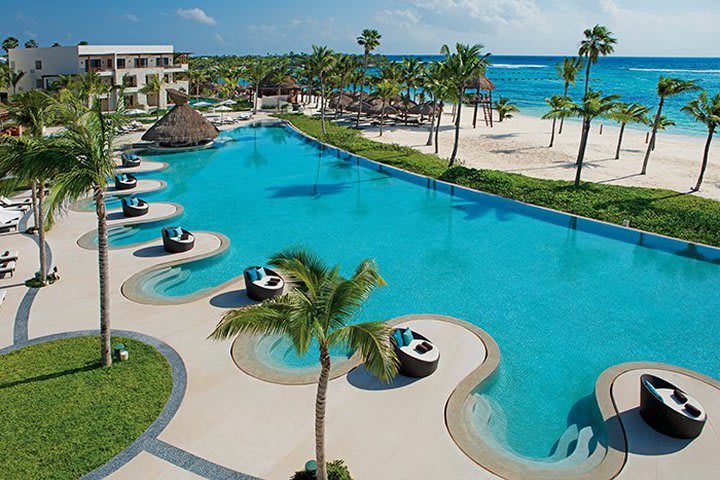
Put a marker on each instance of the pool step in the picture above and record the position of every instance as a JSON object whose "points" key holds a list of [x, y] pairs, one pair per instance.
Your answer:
{"points": [[120, 233], [163, 280]]}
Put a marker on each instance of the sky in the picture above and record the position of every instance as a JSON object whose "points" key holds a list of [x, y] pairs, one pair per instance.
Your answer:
{"points": [[504, 27]]}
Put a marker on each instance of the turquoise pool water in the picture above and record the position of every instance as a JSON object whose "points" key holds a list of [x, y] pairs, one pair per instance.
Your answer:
{"points": [[565, 298]]}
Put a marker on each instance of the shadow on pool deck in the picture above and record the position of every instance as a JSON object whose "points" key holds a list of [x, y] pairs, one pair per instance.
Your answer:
{"points": [[360, 378], [233, 299], [153, 251], [645, 440]]}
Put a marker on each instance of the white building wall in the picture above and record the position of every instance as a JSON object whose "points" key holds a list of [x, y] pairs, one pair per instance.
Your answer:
{"points": [[71, 60], [55, 61]]}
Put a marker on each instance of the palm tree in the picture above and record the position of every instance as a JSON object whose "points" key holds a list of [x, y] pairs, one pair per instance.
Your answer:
{"points": [[568, 71], [505, 108], [462, 65], [318, 309], [255, 71], [411, 70], [558, 109], [434, 83], [31, 44], [369, 39], [705, 110], [594, 105], [598, 41], [321, 61], [14, 79], [154, 86], [385, 90], [10, 43], [32, 110], [666, 87], [82, 156], [628, 113], [279, 75], [197, 79], [90, 85]]}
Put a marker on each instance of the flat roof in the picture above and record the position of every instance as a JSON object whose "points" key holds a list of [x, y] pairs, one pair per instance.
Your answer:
{"points": [[110, 49]]}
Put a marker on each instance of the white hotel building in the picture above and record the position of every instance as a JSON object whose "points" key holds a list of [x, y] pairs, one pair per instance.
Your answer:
{"points": [[133, 65]]}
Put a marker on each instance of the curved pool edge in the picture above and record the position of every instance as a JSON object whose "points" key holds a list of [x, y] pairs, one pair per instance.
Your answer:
{"points": [[86, 240], [132, 287]]}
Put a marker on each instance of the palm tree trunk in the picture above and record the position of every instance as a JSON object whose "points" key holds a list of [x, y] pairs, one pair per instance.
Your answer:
{"points": [[362, 90], [322, 105], [437, 128], [382, 117], [651, 145], [562, 119], [706, 154], [581, 152], [255, 99], [36, 217], [432, 123], [587, 75], [320, 402], [41, 233], [453, 156], [620, 139], [552, 135], [104, 277], [277, 107]]}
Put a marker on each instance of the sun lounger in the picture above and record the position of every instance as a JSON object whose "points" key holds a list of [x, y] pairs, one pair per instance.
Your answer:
{"points": [[23, 204], [7, 268], [8, 256], [263, 286]]}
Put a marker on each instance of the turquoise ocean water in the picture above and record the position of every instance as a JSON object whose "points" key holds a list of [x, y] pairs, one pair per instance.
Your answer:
{"points": [[528, 80], [565, 298]]}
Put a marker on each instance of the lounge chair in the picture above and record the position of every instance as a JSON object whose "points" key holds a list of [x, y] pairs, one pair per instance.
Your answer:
{"points": [[668, 409], [130, 160], [414, 360], [23, 204], [2, 296], [262, 284], [7, 268], [134, 207], [177, 239], [125, 182], [8, 255]]}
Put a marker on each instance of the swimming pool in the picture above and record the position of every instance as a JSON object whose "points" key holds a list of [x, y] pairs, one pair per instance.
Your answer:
{"points": [[565, 298]]}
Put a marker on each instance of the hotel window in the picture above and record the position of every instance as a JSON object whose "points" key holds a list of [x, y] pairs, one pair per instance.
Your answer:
{"points": [[95, 63], [120, 63], [38, 64], [109, 63], [141, 62]]}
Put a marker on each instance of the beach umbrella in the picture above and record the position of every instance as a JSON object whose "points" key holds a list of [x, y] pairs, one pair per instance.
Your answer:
{"points": [[341, 101], [201, 104], [222, 109], [135, 111], [355, 106], [228, 102], [425, 109]]}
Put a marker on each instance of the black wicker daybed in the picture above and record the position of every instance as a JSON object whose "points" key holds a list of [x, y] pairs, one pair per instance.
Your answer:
{"points": [[668, 409], [416, 360], [262, 283], [177, 239], [134, 207], [130, 160], [125, 182]]}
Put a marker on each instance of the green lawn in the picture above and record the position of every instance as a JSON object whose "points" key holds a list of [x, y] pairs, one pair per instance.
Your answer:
{"points": [[63, 415], [666, 212]]}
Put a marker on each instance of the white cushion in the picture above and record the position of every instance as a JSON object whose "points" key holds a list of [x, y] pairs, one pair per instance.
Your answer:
{"points": [[430, 356], [263, 283]]}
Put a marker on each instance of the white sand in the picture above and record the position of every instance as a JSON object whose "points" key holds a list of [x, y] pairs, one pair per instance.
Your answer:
{"points": [[520, 145]]}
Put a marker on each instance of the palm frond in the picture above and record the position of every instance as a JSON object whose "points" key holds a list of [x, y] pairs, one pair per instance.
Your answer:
{"points": [[266, 318], [372, 341]]}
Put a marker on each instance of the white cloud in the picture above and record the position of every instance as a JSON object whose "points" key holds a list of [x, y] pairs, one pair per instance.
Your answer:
{"points": [[220, 39], [196, 15], [487, 11], [131, 17], [398, 18]]}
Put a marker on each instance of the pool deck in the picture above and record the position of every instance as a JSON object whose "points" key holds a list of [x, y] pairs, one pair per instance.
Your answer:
{"points": [[233, 425]]}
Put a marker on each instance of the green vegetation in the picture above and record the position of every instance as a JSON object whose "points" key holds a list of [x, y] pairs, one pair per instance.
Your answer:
{"points": [[64, 415], [336, 470], [318, 309], [655, 210]]}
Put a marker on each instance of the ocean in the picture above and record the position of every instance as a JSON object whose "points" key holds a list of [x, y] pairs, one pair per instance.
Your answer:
{"points": [[528, 80]]}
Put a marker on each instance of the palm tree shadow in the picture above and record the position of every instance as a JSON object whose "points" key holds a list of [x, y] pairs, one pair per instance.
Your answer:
{"points": [[360, 378], [50, 376]]}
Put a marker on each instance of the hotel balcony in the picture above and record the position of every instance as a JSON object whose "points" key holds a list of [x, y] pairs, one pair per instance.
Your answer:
{"points": [[177, 68]]}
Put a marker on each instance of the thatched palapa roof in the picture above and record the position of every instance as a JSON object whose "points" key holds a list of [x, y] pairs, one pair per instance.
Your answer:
{"points": [[182, 125], [270, 84], [481, 82]]}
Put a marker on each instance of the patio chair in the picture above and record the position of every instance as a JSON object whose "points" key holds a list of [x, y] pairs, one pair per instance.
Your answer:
{"points": [[125, 182], [134, 207], [177, 239], [668, 409], [415, 360], [262, 283]]}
